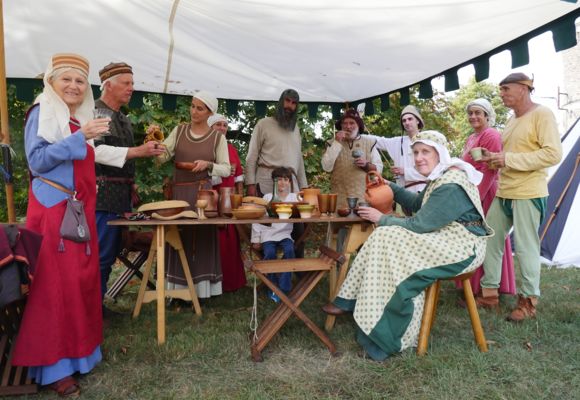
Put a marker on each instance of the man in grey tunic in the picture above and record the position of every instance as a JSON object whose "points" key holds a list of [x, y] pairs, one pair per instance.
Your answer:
{"points": [[276, 142]]}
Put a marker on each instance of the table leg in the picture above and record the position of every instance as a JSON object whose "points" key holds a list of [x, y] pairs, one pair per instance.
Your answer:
{"points": [[175, 241], [160, 286], [146, 274], [357, 235]]}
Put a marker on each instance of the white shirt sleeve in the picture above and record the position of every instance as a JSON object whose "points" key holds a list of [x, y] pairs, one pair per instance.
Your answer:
{"points": [[376, 160], [391, 145], [330, 155], [111, 155]]}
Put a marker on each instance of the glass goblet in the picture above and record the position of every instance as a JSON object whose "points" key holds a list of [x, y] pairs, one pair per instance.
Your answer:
{"points": [[352, 202], [99, 113]]}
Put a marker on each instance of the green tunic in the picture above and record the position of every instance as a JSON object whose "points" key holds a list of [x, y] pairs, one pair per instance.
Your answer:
{"points": [[403, 256]]}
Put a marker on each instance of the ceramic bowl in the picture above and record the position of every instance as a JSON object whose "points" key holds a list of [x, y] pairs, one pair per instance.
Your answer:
{"points": [[284, 210], [293, 204], [343, 212], [284, 215], [305, 214]]}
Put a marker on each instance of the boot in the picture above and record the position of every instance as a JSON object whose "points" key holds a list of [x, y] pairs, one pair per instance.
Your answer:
{"points": [[525, 309], [489, 299]]}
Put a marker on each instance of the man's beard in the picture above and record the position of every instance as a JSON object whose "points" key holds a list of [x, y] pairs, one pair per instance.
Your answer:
{"points": [[286, 118]]}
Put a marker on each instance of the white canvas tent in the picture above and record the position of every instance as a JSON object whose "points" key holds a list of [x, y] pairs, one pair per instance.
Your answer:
{"points": [[328, 50], [561, 231]]}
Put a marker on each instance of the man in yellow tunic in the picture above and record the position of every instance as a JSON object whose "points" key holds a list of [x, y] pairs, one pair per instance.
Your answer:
{"points": [[531, 144]]}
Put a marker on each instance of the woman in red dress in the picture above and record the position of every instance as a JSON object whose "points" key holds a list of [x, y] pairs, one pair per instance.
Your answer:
{"points": [[61, 329], [234, 276], [482, 118]]}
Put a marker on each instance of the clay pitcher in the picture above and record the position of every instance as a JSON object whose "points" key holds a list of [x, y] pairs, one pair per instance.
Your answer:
{"points": [[378, 194], [212, 201], [310, 195], [225, 203]]}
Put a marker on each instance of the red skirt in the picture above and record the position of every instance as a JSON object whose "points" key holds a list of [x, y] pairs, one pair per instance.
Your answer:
{"points": [[234, 276], [63, 314]]}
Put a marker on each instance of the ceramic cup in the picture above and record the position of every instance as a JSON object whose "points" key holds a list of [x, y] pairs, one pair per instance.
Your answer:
{"points": [[332, 198], [476, 153], [323, 203], [236, 200]]}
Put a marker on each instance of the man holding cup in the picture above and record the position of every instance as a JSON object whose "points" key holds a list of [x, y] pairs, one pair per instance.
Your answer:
{"points": [[531, 143], [349, 156], [399, 149], [117, 150]]}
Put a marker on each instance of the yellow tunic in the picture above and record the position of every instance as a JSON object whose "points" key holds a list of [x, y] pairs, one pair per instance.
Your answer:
{"points": [[531, 144]]}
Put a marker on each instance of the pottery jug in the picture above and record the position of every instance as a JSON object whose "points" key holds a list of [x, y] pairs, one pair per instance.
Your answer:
{"points": [[225, 203], [378, 194], [310, 196], [211, 196]]}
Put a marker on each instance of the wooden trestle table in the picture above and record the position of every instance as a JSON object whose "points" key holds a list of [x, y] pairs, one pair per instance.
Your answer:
{"points": [[168, 232]]}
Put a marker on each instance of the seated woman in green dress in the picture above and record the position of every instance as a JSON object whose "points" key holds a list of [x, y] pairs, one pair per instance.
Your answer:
{"points": [[445, 237]]}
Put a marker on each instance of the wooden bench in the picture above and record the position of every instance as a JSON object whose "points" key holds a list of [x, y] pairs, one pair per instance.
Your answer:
{"points": [[313, 269]]}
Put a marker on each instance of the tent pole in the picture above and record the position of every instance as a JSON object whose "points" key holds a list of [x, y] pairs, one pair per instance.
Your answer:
{"points": [[557, 207], [4, 132]]}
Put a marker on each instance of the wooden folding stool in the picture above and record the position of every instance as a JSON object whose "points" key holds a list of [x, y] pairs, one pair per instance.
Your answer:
{"points": [[313, 270]]}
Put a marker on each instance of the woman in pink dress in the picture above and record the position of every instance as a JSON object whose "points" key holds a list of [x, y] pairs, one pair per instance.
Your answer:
{"points": [[482, 117], [234, 276]]}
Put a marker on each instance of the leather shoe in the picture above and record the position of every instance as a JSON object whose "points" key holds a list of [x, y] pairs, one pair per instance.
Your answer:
{"points": [[525, 309], [333, 310], [489, 302]]}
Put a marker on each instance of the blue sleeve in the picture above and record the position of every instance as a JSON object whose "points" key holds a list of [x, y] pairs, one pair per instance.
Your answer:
{"points": [[43, 156]]}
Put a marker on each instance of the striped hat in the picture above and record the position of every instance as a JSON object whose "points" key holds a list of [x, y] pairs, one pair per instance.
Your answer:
{"points": [[70, 60], [113, 69]]}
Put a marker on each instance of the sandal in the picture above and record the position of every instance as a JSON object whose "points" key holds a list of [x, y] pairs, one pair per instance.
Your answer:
{"points": [[66, 387]]}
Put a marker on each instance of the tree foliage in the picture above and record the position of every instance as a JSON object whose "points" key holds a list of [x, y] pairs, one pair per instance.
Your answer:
{"points": [[443, 113]]}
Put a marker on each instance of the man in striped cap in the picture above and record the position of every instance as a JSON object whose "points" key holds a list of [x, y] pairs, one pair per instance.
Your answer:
{"points": [[115, 167]]}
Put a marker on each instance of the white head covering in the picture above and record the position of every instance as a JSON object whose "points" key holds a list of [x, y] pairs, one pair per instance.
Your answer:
{"points": [[215, 118], [439, 142], [484, 106], [54, 114], [208, 99]]}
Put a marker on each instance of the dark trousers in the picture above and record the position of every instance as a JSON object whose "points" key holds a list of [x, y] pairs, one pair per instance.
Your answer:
{"points": [[109, 245]]}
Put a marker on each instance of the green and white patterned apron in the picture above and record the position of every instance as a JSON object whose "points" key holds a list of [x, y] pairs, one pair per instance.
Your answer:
{"points": [[386, 282]]}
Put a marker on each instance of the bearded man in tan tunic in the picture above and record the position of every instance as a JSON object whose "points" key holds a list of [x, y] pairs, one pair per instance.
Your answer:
{"points": [[349, 156], [276, 142]]}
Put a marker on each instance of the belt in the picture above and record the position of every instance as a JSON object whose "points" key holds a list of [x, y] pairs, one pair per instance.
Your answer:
{"points": [[199, 182], [56, 186], [128, 181], [471, 223]]}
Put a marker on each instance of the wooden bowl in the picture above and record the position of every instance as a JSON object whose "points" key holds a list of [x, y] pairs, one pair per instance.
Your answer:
{"points": [[248, 213]]}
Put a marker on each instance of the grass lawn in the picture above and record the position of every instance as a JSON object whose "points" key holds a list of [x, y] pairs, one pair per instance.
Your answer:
{"points": [[208, 357]]}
